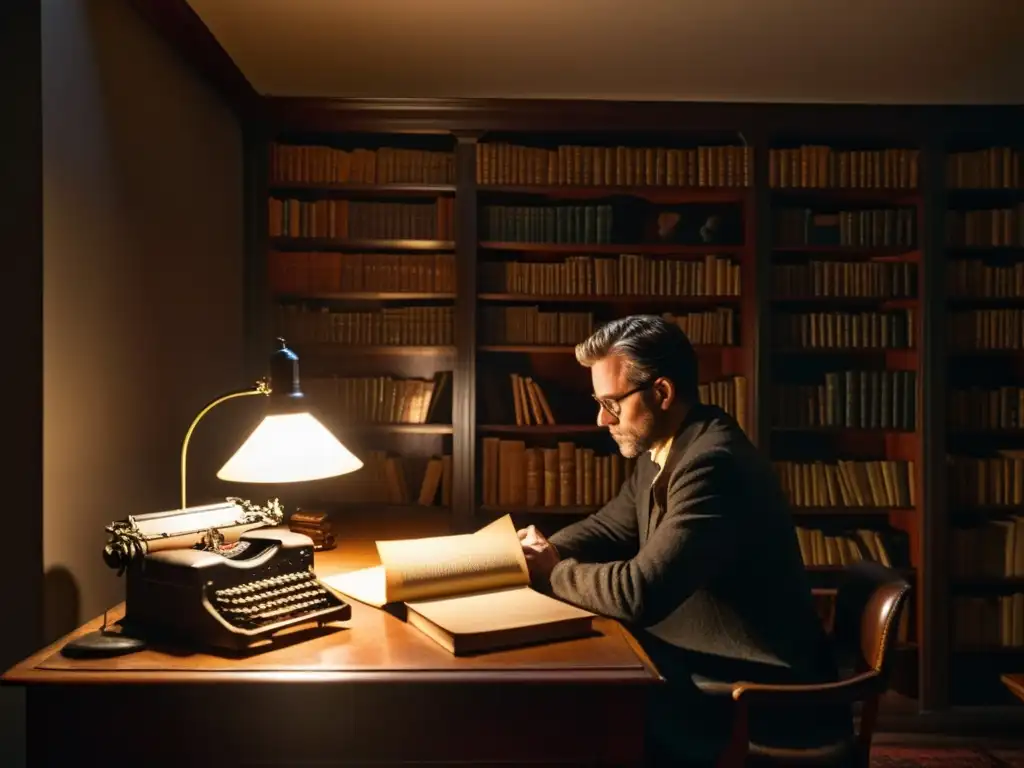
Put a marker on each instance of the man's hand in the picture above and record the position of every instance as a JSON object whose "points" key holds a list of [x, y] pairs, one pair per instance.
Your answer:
{"points": [[541, 555]]}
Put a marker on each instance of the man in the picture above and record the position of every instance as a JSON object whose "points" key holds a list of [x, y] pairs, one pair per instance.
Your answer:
{"points": [[697, 554]]}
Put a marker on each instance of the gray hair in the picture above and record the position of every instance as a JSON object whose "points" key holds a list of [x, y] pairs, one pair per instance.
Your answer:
{"points": [[652, 347]]}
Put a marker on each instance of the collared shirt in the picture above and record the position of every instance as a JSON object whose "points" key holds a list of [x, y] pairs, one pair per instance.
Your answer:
{"points": [[659, 454]]}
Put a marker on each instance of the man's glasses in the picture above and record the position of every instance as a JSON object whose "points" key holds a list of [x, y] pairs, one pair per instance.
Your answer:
{"points": [[611, 403]]}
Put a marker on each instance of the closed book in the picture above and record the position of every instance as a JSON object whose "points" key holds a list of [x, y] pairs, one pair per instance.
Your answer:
{"points": [[309, 518]]}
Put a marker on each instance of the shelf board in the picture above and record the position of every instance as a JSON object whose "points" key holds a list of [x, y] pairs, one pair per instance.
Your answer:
{"points": [[375, 190], [905, 252], [701, 301], [843, 350], [840, 569], [662, 193], [554, 349], [985, 509], [365, 296], [710, 249], [556, 510], [986, 302], [909, 195], [327, 348], [539, 429], [844, 430], [879, 303], [988, 583], [401, 429], [566, 349], [986, 190], [851, 511], [985, 352], [957, 196], [986, 649], [985, 250], [985, 432], [347, 244]]}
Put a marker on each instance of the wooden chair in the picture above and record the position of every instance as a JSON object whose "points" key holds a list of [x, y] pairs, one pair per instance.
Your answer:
{"points": [[869, 604]]}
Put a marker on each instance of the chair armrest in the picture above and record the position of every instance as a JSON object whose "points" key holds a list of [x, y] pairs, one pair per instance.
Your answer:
{"points": [[846, 691], [752, 695]]}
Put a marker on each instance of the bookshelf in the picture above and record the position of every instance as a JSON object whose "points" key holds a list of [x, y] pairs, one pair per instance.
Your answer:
{"points": [[467, 253], [575, 230], [983, 231], [843, 385], [361, 271]]}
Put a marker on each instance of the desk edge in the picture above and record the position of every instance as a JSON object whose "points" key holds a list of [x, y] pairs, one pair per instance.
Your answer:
{"points": [[28, 672], [578, 676]]}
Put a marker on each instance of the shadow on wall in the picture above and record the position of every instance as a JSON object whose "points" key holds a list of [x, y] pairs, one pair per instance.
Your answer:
{"points": [[62, 604]]}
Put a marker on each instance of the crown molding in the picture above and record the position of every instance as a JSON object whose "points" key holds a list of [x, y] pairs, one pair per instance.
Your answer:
{"points": [[793, 120]]}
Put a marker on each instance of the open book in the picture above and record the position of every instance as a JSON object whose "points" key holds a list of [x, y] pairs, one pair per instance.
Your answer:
{"points": [[467, 592]]}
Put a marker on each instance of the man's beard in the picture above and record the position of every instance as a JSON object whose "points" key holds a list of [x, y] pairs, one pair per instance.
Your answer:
{"points": [[636, 439]]}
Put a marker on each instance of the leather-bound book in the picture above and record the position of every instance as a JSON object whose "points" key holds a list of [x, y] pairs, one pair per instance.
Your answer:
{"points": [[314, 524]]}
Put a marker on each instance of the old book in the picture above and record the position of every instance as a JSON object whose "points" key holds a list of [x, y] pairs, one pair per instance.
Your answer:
{"points": [[431, 481], [308, 517], [467, 592]]}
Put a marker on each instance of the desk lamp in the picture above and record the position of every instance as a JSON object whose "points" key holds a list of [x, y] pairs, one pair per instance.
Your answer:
{"points": [[289, 445]]}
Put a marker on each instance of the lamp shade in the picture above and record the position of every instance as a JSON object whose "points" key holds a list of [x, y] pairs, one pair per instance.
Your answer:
{"points": [[289, 448]]}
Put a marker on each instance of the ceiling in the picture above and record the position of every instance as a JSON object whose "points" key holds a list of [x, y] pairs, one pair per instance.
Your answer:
{"points": [[854, 51]]}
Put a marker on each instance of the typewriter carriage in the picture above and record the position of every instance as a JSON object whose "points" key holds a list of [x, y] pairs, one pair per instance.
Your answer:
{"points": [[206, 527]]}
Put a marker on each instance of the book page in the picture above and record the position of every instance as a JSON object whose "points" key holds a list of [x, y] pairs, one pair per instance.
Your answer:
{"points": [[449, 565], [367, 585]]}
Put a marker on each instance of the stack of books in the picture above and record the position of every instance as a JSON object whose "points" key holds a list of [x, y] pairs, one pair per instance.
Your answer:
{"points": [[316, 525]]}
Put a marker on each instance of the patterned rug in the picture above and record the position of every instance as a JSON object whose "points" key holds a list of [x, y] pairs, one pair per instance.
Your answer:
{"points": [[883, 756]]}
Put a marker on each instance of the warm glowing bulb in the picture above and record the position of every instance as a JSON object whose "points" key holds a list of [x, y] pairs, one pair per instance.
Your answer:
{"points": [[289, 448]]}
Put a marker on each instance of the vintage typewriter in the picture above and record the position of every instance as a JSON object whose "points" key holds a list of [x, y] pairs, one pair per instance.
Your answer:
{"points": [[217, 576]]}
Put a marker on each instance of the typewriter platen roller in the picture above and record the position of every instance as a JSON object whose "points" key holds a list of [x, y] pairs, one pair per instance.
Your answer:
{"points": [[236, 596]]}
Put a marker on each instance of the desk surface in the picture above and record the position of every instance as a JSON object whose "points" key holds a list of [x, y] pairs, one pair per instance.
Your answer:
{"points": [[390, 702], [1016, 684], [373, 646]]}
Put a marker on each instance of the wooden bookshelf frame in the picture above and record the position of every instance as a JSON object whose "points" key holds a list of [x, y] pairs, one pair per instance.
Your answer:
{"points": [[933, 583], [469, 121]]}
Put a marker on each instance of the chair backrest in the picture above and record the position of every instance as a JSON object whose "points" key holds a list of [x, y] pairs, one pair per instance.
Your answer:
{"points": [[869, 604]]}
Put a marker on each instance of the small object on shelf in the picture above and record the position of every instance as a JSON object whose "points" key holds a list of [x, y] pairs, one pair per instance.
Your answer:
{"points": [[315, 525]]}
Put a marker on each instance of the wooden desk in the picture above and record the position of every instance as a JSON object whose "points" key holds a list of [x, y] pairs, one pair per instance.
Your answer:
{"points": [[371, 690], [1015, 683]]}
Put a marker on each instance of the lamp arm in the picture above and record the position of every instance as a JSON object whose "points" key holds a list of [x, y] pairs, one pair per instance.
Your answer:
{"points": [[262, 387]]}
